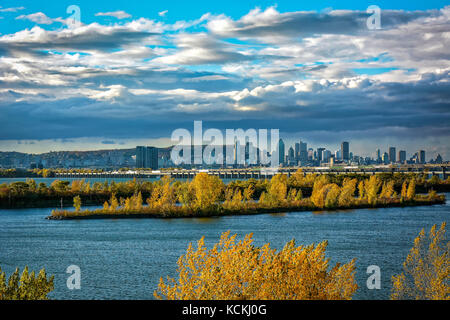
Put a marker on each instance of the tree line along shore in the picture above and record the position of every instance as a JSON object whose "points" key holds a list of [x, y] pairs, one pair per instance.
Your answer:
{"points": [[60, 193], [207, 195]]}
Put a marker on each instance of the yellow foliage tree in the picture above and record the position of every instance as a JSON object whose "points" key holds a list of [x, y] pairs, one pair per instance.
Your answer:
{"points": [[318, 194], [372, 186], [346, 197], [361, 190], [237, 270], [26, 287], [411, 193], [77, 203], [426, 269], [332, 192], [404, 191], [278, 188], [207, 190]]}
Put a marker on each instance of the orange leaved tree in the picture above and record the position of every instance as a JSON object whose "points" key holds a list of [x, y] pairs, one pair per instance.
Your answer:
{"points": [[426, 269], [238, 270]]}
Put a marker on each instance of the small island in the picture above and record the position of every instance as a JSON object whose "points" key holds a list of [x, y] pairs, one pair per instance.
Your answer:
{"points": [[208, 196]]}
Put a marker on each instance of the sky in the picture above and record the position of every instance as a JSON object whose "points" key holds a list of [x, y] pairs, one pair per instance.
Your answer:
{"points": [[131, 72]]}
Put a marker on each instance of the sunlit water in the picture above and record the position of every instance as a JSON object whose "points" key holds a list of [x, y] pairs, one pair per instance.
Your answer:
{"points": [[123, 259]]}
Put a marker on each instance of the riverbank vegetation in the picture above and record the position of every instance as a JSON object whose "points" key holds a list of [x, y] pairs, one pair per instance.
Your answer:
{"points": [[207, 195], [238, 270], [27, 286], [61, 193], [426, 270]]}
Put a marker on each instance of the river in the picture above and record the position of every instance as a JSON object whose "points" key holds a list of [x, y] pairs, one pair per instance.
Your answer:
{"points": [[124, 259]]}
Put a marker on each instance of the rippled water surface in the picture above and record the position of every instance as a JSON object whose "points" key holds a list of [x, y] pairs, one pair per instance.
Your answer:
{"points": [[123, 259]]}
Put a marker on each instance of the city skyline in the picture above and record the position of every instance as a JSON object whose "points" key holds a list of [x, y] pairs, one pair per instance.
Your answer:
{"points": [[297, 154]]}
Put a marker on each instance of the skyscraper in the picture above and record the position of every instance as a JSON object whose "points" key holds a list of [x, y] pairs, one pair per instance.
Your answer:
{"points": [[147, 157], [326, 155], [345, 151], [378, 155], [297, 151], [291, 156], [385, 158], [392, 155], [422, 156], [319, 153], [281, 152], [402, 156], [303, 151]]}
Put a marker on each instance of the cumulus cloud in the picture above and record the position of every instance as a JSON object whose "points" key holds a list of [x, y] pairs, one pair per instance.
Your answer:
{"points": [[116, 14], [12, 9], [38, 17]]}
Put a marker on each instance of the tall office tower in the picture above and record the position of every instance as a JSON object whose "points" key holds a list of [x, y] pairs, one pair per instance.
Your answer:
{"points": [[385, 158], [392, 155], [326, 155], [319, 153], [345, 151], [297, 152], [303, 151], [151, 160], [147, 157], [310, 154], [291, 156], [140, 157], [338, 155], [378, 156], [281, 152], [422, 156], [402, 156]]}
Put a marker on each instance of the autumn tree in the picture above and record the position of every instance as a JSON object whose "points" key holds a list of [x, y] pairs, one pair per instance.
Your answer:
{"points": [[331, 194], [411, 192], [318, 194], [361, 190], [426, 269], [387, 190], [77, 203], [207, 191], [372, 187], [238, 270], [248, 192], [28, 286], [347, 195], [277, 191], [404, 191]]}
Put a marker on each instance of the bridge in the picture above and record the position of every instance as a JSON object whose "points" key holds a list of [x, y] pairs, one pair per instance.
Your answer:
{"points": [[262, 173]]}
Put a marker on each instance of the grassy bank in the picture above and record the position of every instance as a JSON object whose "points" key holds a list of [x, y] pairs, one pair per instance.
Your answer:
{"points": [[203, 197], [180, 212], [31, 194]]}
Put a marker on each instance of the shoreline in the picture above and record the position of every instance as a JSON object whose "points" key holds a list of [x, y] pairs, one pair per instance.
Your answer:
{"points": [[238, 212], [98, 199]]}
